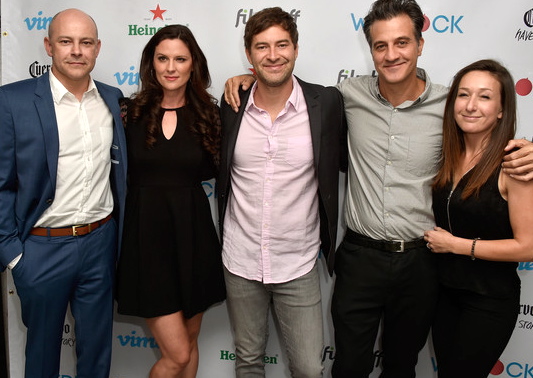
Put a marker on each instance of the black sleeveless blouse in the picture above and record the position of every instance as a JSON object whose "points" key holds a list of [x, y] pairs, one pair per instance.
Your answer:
{"points": [[484, 217]]}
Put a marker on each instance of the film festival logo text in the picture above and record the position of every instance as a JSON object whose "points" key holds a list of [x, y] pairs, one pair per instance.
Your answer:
{"points": [[328, 354], [347, 73], [243, 15], [440, 24], [524, 34]]}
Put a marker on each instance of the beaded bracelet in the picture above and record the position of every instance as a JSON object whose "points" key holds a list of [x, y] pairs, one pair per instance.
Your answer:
{"points": [[472, 250]]}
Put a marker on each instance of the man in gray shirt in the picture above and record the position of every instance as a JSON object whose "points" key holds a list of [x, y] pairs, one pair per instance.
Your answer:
{"points": [[383, 267]]}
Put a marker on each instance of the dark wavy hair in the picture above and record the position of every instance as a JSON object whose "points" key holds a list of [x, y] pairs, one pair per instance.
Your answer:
{"points": [[267, 18], [453, 144], [386, 9], [147, 101]]}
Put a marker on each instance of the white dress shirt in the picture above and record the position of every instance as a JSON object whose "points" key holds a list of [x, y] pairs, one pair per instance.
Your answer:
{"points": [[83, 192]]}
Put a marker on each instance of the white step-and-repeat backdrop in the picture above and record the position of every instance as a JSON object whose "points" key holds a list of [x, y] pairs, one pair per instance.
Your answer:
{"points": [[332, 48]]}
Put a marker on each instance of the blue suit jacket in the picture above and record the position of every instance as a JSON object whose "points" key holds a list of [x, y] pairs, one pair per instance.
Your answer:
{"points": [[328, 134], [29, 148]]}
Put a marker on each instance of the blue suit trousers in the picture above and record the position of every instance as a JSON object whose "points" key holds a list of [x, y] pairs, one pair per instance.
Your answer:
{"points": [[55, 272]]}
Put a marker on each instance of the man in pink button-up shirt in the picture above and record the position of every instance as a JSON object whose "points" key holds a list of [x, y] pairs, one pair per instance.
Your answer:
{"points": [[278, 192]]}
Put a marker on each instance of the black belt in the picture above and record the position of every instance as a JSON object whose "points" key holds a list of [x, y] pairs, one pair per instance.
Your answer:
{"points": [[384, 245]]}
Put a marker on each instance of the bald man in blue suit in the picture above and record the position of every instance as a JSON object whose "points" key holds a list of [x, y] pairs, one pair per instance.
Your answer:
{"points": [[62, 190]]}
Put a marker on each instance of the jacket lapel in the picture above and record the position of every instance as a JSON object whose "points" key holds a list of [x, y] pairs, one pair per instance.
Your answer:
{"points": [[119, 138], [44, 104], [315, 119], [233, 125]]}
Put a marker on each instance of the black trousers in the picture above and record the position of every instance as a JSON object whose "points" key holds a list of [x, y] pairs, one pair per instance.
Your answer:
{"points": [[401, 289], [471, 331]]}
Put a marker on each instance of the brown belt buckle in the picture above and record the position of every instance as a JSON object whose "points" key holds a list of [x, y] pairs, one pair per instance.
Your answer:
{"points": [[75, 231]]}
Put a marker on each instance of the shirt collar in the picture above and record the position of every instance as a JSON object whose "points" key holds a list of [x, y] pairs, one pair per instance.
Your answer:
{"points": [[59, 91], [294, 99], [421, 74]]}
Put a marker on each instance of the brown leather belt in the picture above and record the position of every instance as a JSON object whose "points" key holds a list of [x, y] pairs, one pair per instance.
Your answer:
{"points": [[79, 230]]}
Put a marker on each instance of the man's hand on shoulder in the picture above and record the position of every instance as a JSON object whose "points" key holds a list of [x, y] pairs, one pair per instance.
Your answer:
{"points": [[231, 89], [518, 163]]}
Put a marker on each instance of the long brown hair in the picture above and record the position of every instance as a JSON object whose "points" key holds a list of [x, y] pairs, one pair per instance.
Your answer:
{"points": [[453, 144], [147, 102]]}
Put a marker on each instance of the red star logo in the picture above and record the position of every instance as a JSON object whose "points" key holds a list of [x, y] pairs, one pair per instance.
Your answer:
{"points": [[158, 12]]}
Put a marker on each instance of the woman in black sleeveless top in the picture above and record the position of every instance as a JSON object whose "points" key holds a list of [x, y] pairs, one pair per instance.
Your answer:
{"points": [[483, 219]]}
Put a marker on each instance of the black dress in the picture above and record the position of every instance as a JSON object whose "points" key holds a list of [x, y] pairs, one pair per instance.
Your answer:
{"points": [[170, 258]]}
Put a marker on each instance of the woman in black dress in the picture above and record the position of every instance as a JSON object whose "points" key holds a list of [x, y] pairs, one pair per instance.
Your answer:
{"points": [[483, 219], [170, 268]]}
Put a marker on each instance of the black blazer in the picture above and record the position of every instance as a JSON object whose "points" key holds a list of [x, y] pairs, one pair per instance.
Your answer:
{"points": [[328, 133]]}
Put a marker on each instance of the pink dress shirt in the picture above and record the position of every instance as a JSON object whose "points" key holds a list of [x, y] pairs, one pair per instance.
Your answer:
{"points": [[272, 224]]}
